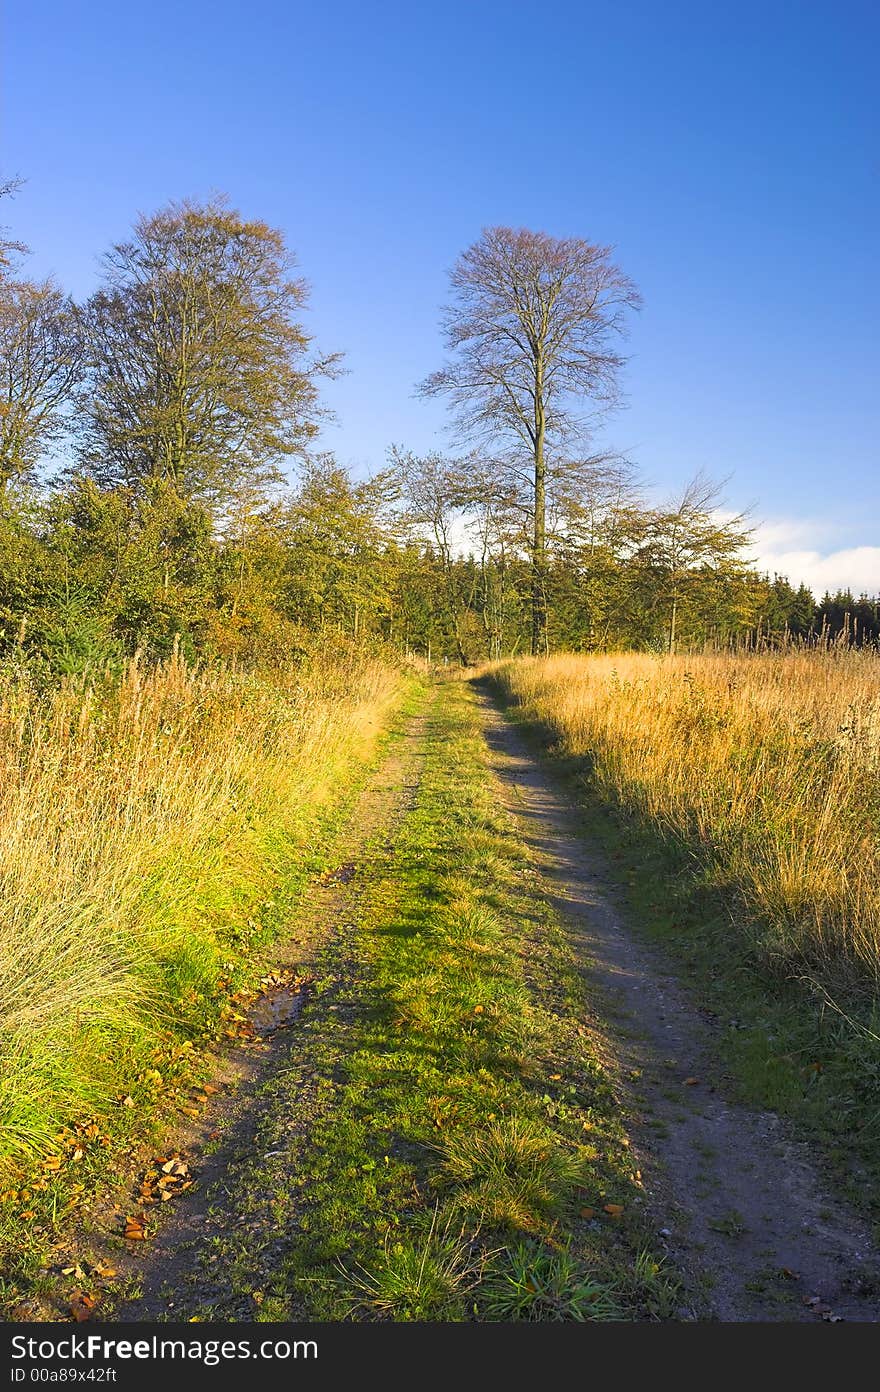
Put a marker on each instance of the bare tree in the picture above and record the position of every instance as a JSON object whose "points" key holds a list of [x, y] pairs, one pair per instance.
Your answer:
{"points": [[494, 518], [9, 249], [435, 493], [531, 333], [40, 364]]}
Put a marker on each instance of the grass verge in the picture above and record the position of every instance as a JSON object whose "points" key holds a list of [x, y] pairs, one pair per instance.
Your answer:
{"points": [[186, 812], [797, 1042]]}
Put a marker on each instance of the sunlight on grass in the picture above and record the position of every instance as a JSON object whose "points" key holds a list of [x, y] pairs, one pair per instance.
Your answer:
{"points": [[513, 1172], [143, 824], [418, 1279], [767, 766]]}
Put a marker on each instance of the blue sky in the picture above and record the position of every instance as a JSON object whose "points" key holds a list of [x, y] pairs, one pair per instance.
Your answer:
{"points": [[730, 153]]}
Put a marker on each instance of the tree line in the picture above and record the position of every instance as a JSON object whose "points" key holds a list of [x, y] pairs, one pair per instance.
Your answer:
{"points": [[161, 486]]}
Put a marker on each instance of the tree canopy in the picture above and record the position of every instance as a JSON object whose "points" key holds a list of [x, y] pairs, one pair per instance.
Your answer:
{"points": [[162, 484]]}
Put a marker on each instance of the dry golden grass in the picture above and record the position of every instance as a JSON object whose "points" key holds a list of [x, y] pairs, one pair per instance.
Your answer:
{"points": [[142, 822], [767, 765]]}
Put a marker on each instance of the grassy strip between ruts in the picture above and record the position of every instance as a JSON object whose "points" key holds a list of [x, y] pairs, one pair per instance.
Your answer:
{"points": [[445, 1143], [782, 1042], [155, 1072]]}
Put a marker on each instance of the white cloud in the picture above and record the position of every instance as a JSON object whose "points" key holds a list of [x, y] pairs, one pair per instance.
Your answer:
{"points": [[806, 553]]}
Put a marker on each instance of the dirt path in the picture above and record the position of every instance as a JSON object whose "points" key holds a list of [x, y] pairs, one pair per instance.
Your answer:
{"points": [[736, 1199], [180, 1271]]}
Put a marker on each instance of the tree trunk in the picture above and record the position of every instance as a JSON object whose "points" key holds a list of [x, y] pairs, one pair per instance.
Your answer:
{"points": [[539, 534]]}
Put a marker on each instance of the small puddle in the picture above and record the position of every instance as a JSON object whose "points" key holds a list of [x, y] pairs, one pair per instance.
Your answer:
{"points": [[276, 1009], [279, 1003]]}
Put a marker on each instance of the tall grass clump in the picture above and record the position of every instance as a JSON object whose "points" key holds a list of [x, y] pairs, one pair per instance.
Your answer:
{"points": [[765, 766], [144, 818]]}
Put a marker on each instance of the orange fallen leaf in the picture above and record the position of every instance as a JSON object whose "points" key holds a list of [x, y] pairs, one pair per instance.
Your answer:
{"points": [[691, 1082], [478, 1009], [614, 1209], [81, 1307], [588, 1212]]}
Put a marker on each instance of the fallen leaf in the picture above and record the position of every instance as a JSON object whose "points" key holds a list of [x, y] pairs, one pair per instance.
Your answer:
{"points": [[691, 1082], [478, 1009], [128, 1101], [81, 1307], [588, 1212], [615, 1209]]}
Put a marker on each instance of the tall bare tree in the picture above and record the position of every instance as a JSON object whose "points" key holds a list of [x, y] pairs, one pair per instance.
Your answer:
{"points": [[8, 248], [40, 364], [435, 493], [200, 372], [531, 332]]}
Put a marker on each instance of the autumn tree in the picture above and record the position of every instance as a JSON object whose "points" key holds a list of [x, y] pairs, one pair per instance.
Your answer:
{"points": [[40, 365], [598, 521], [200, 373], [687, 541], [532, 333], [337, 537]]}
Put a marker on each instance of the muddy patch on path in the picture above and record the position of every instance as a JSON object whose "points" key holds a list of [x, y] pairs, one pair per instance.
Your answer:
{"points": [[738, 1201]]}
